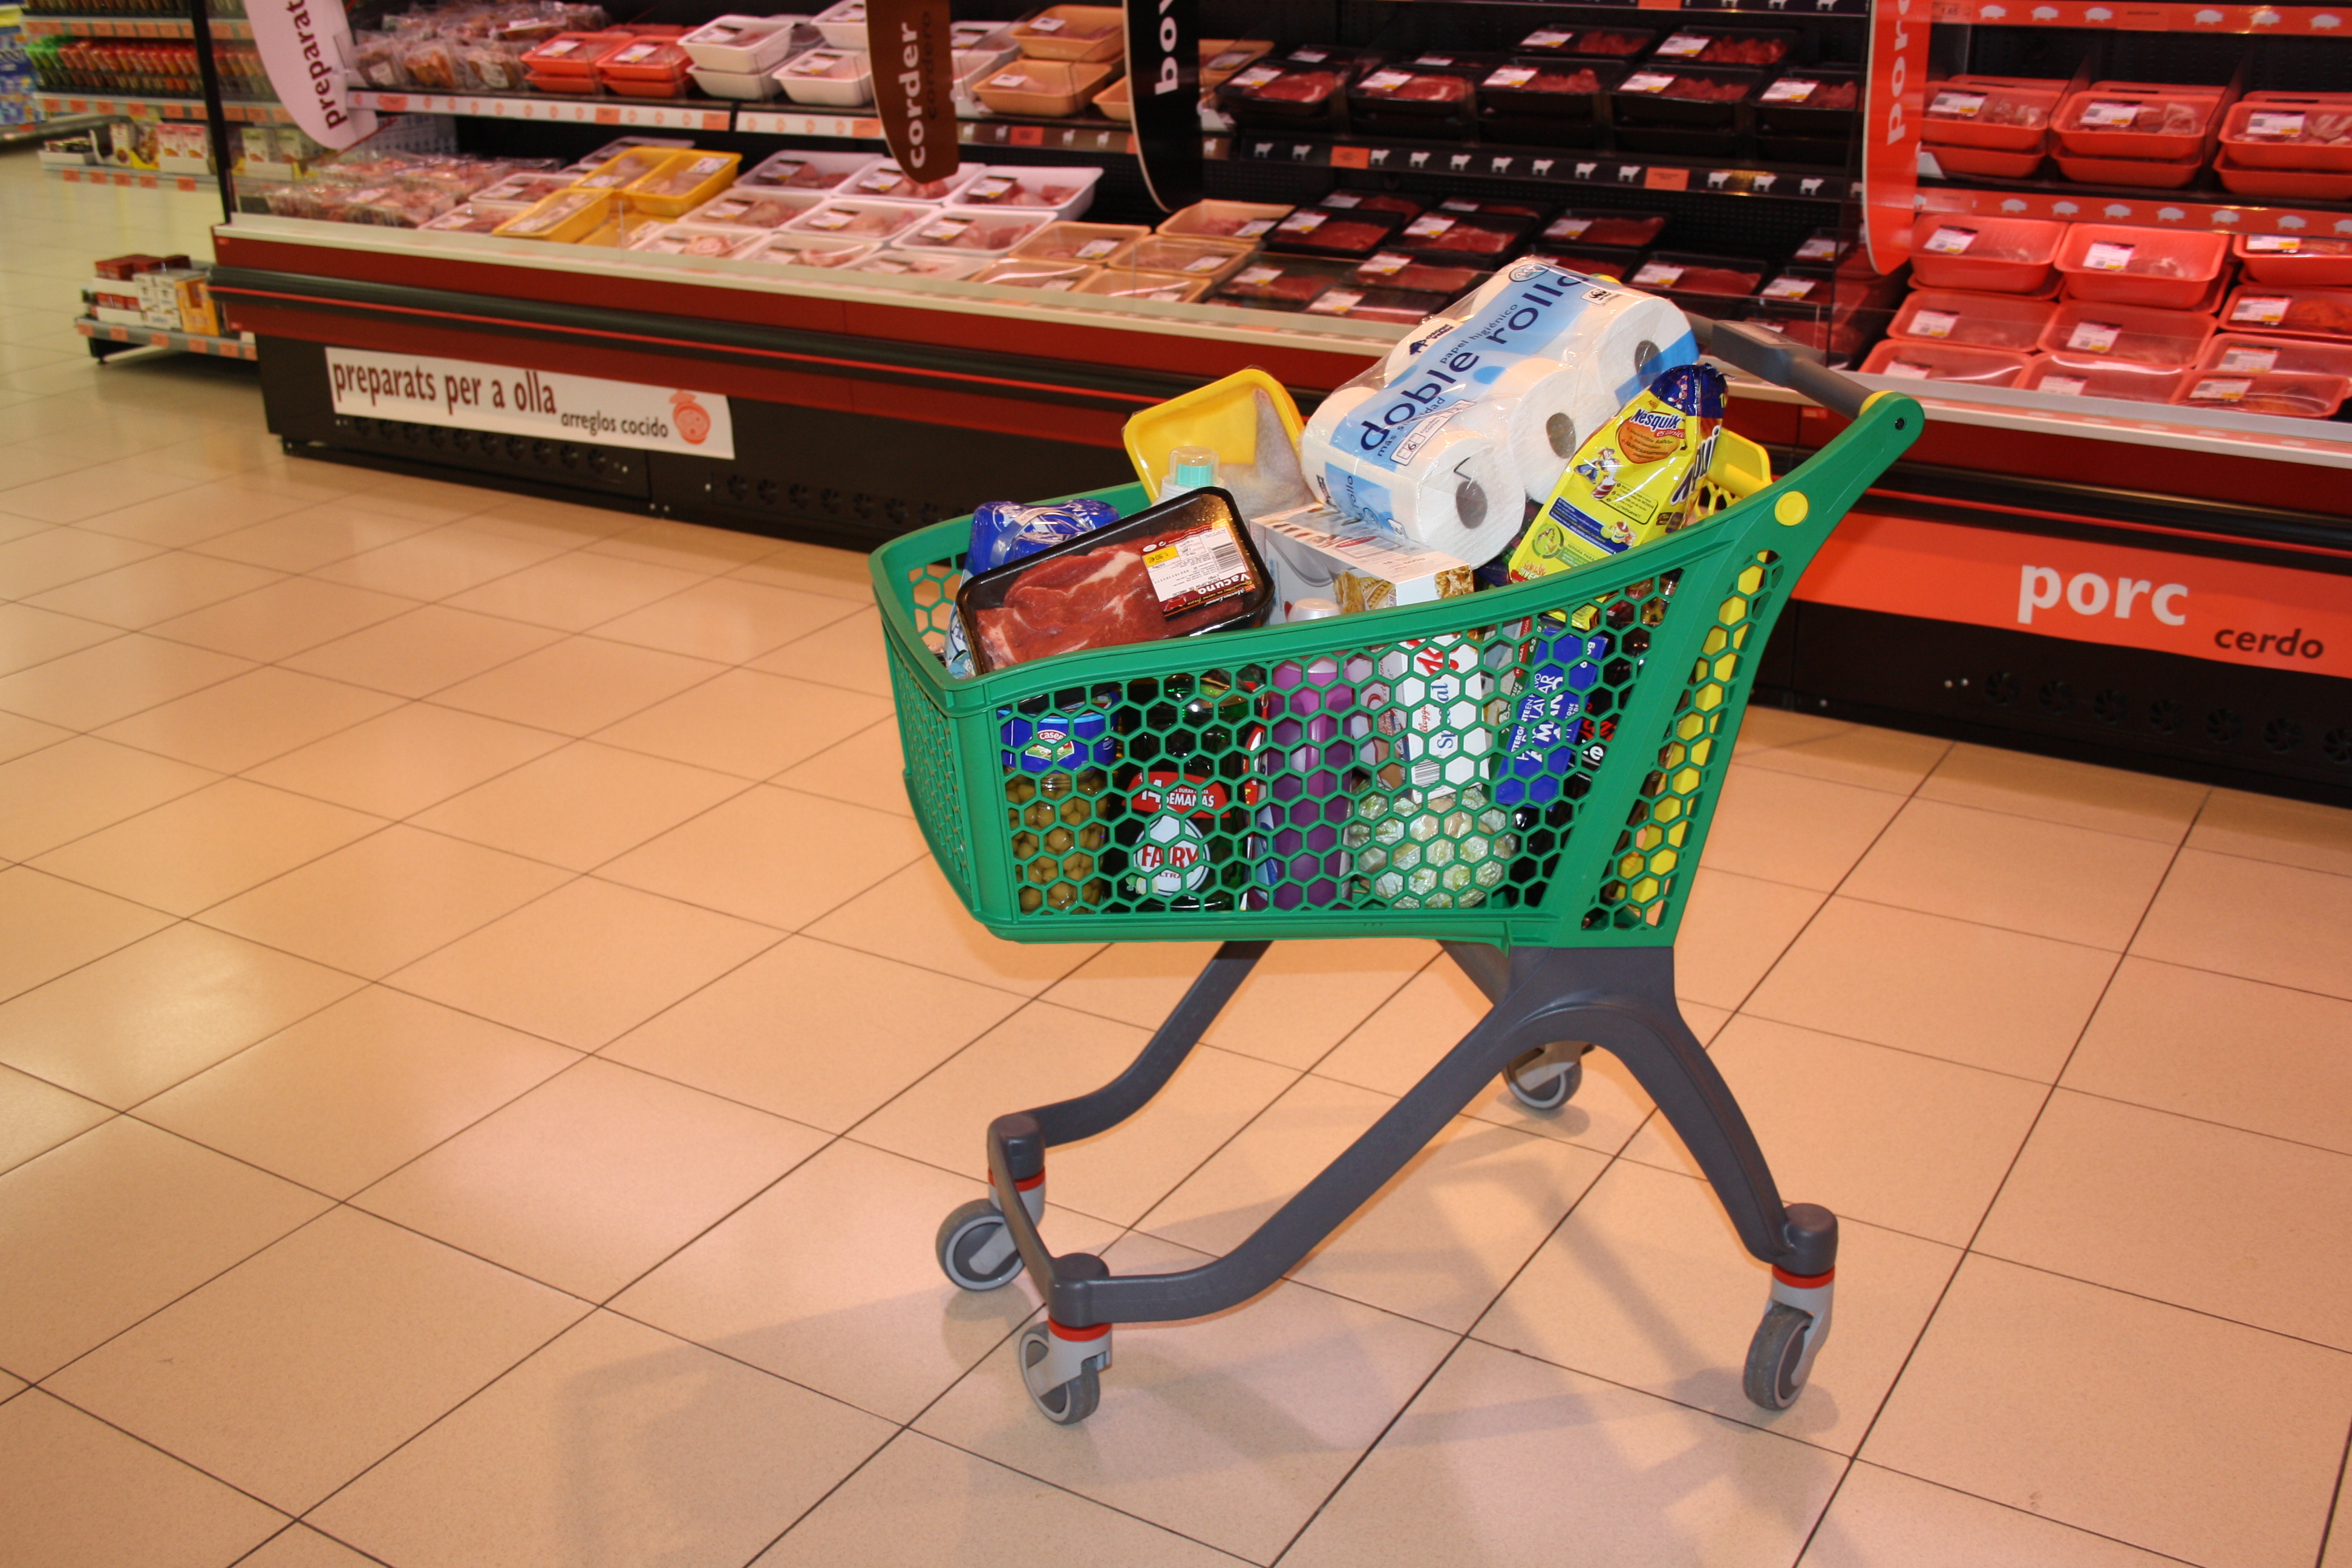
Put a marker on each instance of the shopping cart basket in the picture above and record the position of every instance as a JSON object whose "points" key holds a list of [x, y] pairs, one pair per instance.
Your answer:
{"points": [[1524, 774]]}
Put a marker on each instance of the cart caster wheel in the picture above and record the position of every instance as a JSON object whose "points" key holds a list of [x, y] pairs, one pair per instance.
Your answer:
{"points": [[1064, 1403], [1776, 1357], [1536, 1082], [975, 1247]]}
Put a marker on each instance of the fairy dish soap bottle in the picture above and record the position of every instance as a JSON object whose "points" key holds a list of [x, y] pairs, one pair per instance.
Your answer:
{"points": [[1188, 833]]}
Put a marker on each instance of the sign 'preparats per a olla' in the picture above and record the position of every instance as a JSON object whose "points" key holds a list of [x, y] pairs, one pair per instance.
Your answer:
{"points": [[465, 396]]}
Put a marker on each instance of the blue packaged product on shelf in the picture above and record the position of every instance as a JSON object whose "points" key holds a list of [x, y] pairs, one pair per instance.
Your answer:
{"points": [[1005, 530]]}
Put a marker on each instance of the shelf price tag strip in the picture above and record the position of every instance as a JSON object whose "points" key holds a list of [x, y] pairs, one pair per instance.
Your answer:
{"points": [[1556, 167]]}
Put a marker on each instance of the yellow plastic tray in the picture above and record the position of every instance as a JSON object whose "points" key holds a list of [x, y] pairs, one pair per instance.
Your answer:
{"points": [[1222, 416]]}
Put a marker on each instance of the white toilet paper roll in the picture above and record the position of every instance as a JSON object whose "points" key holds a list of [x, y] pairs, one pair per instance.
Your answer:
{"points": [[1458, 494], [1552, 404]]}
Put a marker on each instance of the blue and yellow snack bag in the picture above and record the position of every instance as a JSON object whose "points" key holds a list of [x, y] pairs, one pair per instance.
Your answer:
{"points": [[1633, 480]]}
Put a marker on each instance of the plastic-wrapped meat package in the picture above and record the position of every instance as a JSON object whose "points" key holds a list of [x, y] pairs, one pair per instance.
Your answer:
{"points": [[1579, 80], [748, 209], [1276, 284], [1603, 228], [2319, 313], [961, 233], [1601, 41], [879, 221], [1695, 277], [1458, 235], [894, 182], [1000, 191], [1740, 51], [432, 63], [1372, 202], [908, 263], [1414, 86], [379, 57], [467, 220], [1094, 598], [1707, 90], [683, 177], [1394, 269], [555, 211], [1997, 109], [1293, 86], [1831, 95], [492, 66]]}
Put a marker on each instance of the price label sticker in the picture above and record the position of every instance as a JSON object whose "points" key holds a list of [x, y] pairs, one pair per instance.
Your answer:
{"points": [[1510, 76], [1934, 323], [1302, 223], [1429, 227], [1432, 59], [1682, 47], [1386, 81], [1257, 76], [2279, 127], [1568, 229], [1458, 204], [828, 219], [1647, 81], [2220, 389], [1334, 302], [1096, 249], [1658, 274], [1908, 371], [2106, 255], [1951, 241], [1252, 276], [1545, 39], [2260, 361], [1821, 248], [1385, 263], [1058, 285], [2269, 310], [1312, 56], [2273, 244], [2093, 336], [1253, 227], [2107, 116], [989, 189], [1789, 89], [1205, 263], [947, 228], [1343, 200], [1013, 81], [2063, 385], [1045, 24], [1789, 287], [1951, 105]]}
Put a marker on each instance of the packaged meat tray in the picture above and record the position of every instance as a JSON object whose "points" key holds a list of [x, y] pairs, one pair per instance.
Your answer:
{"points": [[1130, 283], [1808, 114], [622, 170], [567, 217], [1593, 43], [682, 182], [785, 249], [1399, 269], [2162, 340], [1286, 282], [849, 218], [799, 171], [888, 182], [1211, 261], [748, 45], [2079, 378], [1999, 255], [1088, 244], [1809, 286], [1179, 569], [1425, 96], [746, 87], [1317, 231], [1544, 102], [2275, 309], [1223, 58], [1405, 207], [572, 54], [2307, 131], [2147, 173], [973, 231], [1823, 247], [1049, 277], [1909, 360], [1592, 260], [1062, 193], [2241, 354], [755, 206], [697, 239], [1974, 320], [2282, 393], [1665, 106], [2167, 268], [828, 77], [921, 264], [1687, 273], [2280, 184], [1603, 227], [1306, 89], [1048, 88], [2111, 121], [517, 192], [1364, 302], [1707, 46], [843, 25], [2305, 260], [1086, 34], [643, 62], [1480, 239], [1226, 220], [468, 219], [1990, 113]]}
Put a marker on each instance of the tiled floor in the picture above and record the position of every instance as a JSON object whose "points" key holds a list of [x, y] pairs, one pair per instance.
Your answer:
{"points": [[482, 1054]]}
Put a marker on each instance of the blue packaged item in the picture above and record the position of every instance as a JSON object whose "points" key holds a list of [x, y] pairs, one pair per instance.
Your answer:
{"points": [[1005, 530], [1056, 742], [1550, 735]]}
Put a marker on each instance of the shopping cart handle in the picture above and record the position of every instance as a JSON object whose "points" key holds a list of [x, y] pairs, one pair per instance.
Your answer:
{"points": [[1761, 351]]}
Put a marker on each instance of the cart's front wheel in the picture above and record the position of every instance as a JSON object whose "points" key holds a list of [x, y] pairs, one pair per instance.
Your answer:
{"points": [[1542, 1081], [1776, 1357], [975, 1247], [1064, 1403]]}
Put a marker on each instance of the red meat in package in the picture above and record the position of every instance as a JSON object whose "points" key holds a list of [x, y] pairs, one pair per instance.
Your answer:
{"points": [[1099, 598]]}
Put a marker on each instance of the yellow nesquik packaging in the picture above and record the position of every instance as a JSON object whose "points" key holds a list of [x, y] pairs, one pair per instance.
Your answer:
{"points": [[1633, 480]]}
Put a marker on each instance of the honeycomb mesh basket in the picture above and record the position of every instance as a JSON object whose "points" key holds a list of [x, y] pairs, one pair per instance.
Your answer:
{"points": [[1534, 764]]}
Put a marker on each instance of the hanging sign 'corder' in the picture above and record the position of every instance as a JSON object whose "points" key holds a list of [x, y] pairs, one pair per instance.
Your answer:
{"points": [[914, 83]]}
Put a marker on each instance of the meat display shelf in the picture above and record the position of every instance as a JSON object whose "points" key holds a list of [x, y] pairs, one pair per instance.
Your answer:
{"points": [[159, 338], [58, 103], [133, 179], [129, 27], [2054, 199], [2165, 16]]}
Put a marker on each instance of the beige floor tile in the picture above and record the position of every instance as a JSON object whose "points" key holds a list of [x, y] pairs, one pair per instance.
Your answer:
{"points": [[533, 517], [914, 916], [423, 651], [71, 498], [1786, 827], [578, 685], [574, 591], [299, 1546], [1734, 930], [613, 1446], [1304, 997], [2290, 832], [386, 900], [317, 536], [817, 1033], [813, 568], [108, 681], [283, 619], [126, 1218], [586, 963], [771, 855], [20, 736], [1857, 754], [357, 1090], [847, 653], [728, 619], [1503, 1461], [593, 1177], [1136, 982], [688, 546], [1431, 1015], [107, 1499], [1882, 1520], [750, 724], [1952, 988], [868, 769], [1437, 1243], [2252, 919], [250, 718], [581, 805], [438, 499], [49, 926], [2105, 1193], [1762, 726], [140, 1020], [830, 1278], [294, 1371], [1231, 1429], [2051, 1395], [36, 1117], [2339, 1534], [2138, 806], [2222, 1049], [191, 853], [1648, 1285], [1872, 1134], [2020, 873], [921, 1504], [155, 589], [407, 758], [1043, 1053], [218, 452], [30, 636], [79, 785], [435, 563]]}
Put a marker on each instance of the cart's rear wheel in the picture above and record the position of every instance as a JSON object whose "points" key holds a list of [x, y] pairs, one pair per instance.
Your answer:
{"points": [[1064, 1403], [1775, 1356], [975, 1249], [1537, 1081]]}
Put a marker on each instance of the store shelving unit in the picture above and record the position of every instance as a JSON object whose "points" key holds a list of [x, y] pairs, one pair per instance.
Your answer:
{"points": [[108, 338], [132, 179]]}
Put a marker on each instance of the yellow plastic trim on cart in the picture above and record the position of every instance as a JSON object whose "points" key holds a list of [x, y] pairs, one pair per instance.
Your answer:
{"points": [[1222, 416]]}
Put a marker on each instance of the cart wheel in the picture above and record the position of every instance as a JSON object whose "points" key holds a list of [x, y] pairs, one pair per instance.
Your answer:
{"points": [[1772, 1378], [1548, 1093], [1065, 1405], [975, 1249]]}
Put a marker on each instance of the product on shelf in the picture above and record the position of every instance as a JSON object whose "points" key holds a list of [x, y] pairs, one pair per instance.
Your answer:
{"points": [[1397, 270], [786, 248], [850, 218], [975, 231], [1976, 320], [1601, 43], [1808, 115], [1226, 220], [2079, 378], [1662, 106], [1065, 193], [1720, 47], [682, 182], [1045, 89], [921, 264], [2167, 268], [2003, 255], [567, 216], [1091, 243], [747, 45], [828, 77], [886, 181], [2112, 333], [1479, 239], [1405, 207], [843, 24], [1129, 283], [798, 171], [2134, 134], [2322, 261], [1286, 282], [1051, 277], [1315, 231], [2241, 354], [754, 208], [1086, 32], [1592, 226], [696, 240], [1210, 260], [1688, 273], [2293, 395], [1547, 103], [1909, 360], [1305, 89], [2272, 308], [1427, 95]]}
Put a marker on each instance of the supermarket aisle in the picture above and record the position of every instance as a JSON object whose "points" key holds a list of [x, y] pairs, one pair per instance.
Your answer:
{"points": [[482, 1054]]}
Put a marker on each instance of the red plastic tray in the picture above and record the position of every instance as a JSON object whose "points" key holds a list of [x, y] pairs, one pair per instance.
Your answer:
{"points": [[2295, 184], [2153, 339], [2012, 322], [2161, 146], [661, 61], [1991, 166], [2270, 152], [2281, 394], [2169, 269], [1950, 131], [2007, 255], [1947, 361], [2135, 384], [2304, 260], [2279, 311], [2244, 353], [2147, 173], [572, 54]]}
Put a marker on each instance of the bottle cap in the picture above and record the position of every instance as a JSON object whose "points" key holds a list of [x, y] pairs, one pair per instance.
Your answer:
{"points": [[1193, 466], [1311, 610]]}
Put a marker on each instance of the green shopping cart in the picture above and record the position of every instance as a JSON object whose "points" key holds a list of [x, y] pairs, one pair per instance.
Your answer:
{"points": [[1525, 775]]}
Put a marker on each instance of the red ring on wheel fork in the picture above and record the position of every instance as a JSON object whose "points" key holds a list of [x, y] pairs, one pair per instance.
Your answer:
{"points": [[1030, 1185], [1061, 1331], [1803, 1281]]}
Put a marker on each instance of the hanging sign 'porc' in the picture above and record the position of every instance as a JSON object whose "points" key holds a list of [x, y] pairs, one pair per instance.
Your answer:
{"points": [[1894, 100], [302, 45], [914, 83]]}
